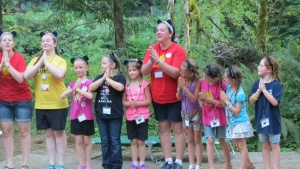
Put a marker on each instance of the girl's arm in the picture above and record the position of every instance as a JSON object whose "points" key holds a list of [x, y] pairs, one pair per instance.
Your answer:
{"points": [[14, 73], [192, 96], [124, 101], [254, 97], [58, 73], [116, 85], [66, 93], [270, 98], [94, 86], [146, 102], [85, 94], [30, 72], [235, 110]]}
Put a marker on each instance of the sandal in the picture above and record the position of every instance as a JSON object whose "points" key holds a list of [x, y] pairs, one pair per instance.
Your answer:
{"points": [[25, 167], [5, 167]]}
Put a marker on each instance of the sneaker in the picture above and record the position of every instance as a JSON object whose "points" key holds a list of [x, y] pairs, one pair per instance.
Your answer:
{"points": [[176, 166], [59, 166], [143, 166], [88, 167], [198, 167], [191, 166], [134, 166], [80, 166], [50, 166], [167, 166]]}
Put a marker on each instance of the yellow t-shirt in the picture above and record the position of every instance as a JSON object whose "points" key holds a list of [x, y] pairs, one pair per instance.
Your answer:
{"points": [[49, 97]]}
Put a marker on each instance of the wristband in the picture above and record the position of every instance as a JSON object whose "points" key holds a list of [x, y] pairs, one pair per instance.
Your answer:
{"points": [[253, 97], [211, 100]]}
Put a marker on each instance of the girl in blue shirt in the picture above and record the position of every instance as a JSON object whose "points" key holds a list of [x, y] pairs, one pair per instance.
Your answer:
{"points": [[239, 127]]}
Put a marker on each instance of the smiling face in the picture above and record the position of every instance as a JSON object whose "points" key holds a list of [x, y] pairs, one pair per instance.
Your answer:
{"points": [[7, 42], [133, 72], [163, 33], [48, 42], [80, 68]]}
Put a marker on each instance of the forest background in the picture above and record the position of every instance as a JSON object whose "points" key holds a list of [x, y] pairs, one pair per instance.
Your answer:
{"points": [[226, 31]]}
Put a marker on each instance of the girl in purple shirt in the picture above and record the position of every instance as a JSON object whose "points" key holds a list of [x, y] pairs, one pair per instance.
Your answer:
{"points": [[187, 92], [81, 114]]}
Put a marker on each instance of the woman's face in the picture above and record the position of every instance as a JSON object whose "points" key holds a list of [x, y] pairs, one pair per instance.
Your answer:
{"points": [[7, 42], [48, 43], [163, 33]]}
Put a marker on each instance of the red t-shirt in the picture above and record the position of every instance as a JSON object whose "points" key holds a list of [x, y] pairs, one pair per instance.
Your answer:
{"points": [[163, 90], [10, 89]]}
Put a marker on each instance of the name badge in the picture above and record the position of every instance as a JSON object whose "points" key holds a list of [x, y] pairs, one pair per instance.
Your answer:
{"points": [[81, 118], [106, 110], [44, 87], [187, 123], [215, 123], [264, 122], [228, 130], [84, 88], [158, 74], [139, 120]]}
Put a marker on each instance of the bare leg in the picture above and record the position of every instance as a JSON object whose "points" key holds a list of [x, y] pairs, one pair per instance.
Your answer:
{"points": [[199, 146], [24, 130], [210, 152], [165, 138], [191, 145], [276, 155], [226, 151], [88, 149], [134, 150], [142, 150], [50, 145], [61, 145], [180, 142], [79, 148], [266, 154], [8, 141]]}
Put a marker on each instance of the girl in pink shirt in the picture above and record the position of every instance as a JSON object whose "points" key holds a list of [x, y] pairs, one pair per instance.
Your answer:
{"points": [[213, 111], [136, 99], [81, 114]]}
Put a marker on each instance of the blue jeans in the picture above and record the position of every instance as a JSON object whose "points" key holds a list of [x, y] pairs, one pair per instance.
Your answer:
{"points": [[110, 132]]}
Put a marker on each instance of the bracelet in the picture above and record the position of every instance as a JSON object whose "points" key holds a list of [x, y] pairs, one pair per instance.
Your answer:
{"points": [[253, 97], [159, 61], [229, 106], [211, 100]]}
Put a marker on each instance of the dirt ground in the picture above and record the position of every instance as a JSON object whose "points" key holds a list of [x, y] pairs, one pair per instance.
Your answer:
{"points": [[38, 156]]}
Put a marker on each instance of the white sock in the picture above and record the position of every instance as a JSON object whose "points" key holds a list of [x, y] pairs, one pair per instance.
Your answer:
{"points": [[178, 161], [192, 166], [169, 160]]}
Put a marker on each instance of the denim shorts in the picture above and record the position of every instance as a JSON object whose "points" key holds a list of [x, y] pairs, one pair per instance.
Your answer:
{"points": [[214, 132], [272, 138], [16, 111]]}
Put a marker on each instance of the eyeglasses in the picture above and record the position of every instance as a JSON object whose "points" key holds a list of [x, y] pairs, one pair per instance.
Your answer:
{"points": [[231, 73], [190, 66], [210, 71], [270, 62]]}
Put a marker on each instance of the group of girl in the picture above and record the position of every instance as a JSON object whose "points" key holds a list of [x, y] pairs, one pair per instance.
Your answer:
{"points": [[217, 105]]}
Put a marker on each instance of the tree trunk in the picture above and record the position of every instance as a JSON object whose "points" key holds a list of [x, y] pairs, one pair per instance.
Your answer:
{"points": [[186, 27], [261, 36], [1, 15], [171, 11], [119, 27]]}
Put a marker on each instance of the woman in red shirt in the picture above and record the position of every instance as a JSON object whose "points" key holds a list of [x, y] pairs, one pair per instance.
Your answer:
{"points": [[15, 101]]}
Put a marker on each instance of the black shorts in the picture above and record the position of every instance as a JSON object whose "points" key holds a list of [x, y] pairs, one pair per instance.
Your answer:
{"points": [[137, 131], [53, 118], [168, 111], [85, 127]]}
